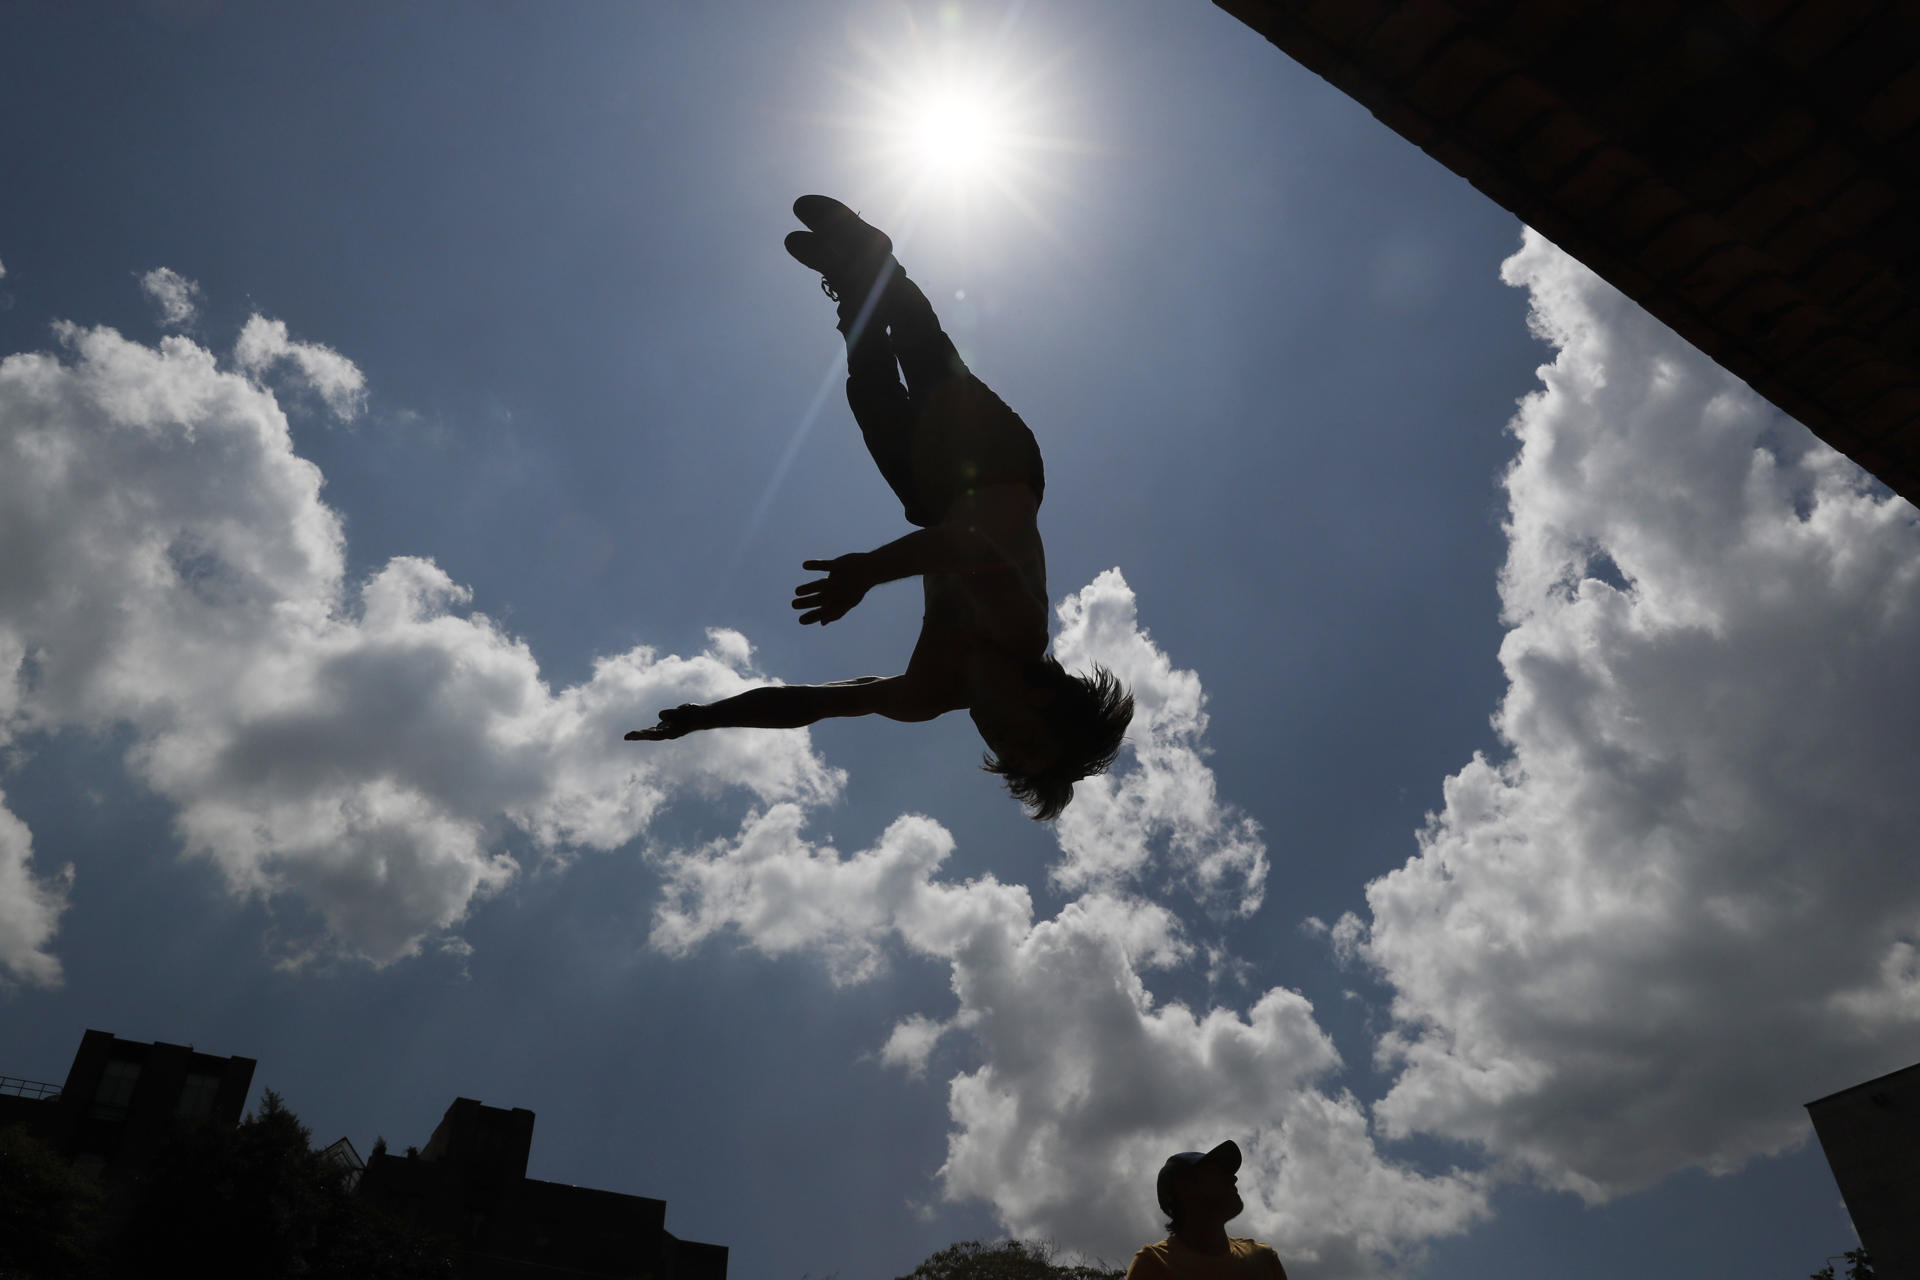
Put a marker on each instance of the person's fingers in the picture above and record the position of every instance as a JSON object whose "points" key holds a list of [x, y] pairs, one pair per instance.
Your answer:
{"points": [[824, 565], [673, 724]]}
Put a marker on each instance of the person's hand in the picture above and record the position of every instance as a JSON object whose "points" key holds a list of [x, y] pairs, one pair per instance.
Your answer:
{"points": [[675, 722], [830, 598]]}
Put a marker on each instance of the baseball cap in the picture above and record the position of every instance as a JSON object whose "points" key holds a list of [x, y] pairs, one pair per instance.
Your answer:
{"points": [[1178, 1166]]}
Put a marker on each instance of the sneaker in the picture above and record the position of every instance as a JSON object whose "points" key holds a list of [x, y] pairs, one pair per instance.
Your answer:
{"points": [[842, 226], [848, 253], [811, 252]]}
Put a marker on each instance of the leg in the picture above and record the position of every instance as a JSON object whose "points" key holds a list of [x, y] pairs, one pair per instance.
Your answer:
{"points": [[880, 403], [915, 444], [968, 434], [925, 352], [857, 266], [943, 432]]}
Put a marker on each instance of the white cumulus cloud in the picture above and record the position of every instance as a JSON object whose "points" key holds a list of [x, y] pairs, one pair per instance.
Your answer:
{"points": [[30, 908], [1677, 907], [1164, 797], [1086, 1082], [338, 382], [1074, 1080], [362, 748], [1682, 902], [784, 894], [177, 297]]}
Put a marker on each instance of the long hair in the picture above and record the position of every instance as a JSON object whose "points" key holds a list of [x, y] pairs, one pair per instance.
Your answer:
{"points": [[1088, 716]]}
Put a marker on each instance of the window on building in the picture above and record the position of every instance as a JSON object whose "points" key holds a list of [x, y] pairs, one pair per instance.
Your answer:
{"points": [[196, 1098], [111, 1099]]}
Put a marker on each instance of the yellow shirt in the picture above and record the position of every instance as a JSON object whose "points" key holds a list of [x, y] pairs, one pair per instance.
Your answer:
{"points": [[1171, 1259]]}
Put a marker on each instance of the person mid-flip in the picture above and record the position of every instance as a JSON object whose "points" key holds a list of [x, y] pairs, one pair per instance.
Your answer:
{"points": [[968, 472]]}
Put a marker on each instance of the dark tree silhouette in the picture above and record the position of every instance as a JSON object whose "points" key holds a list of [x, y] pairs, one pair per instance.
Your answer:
{"points": [[1006, 1260], [1859, 1267], [48, 1213], [257, 1201]]}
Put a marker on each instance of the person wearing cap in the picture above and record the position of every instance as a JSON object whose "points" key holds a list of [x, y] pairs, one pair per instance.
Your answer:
{"points": [[1198, 1195]]}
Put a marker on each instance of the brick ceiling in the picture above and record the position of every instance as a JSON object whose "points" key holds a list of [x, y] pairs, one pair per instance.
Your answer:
{"points": [[1744, 169]]}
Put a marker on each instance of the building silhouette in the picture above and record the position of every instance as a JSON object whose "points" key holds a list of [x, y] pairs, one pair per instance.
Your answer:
{"points": [[1746, 170], [1871, 1136], [469, 1185], [124, 1101]]}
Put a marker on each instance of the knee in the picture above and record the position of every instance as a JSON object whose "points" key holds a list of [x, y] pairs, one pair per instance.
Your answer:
{"points": [[875, 401]]}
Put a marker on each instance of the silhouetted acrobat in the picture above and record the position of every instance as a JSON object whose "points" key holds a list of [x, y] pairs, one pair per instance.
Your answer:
{"points": [[968, 473]]}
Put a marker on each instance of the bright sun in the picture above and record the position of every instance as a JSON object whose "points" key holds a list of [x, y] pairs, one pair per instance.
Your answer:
{"points": [[959, 136], [958, 128]]}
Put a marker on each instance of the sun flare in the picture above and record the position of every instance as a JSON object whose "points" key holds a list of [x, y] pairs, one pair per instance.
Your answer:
{"points": [[956, 128], [959, 135]]}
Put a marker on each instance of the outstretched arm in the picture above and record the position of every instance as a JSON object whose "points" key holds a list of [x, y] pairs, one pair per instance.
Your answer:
{"points": [[989, 532], [794, 706]]}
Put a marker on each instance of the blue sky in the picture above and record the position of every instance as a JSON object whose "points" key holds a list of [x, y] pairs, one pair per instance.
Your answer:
{"points": [[1514, 833]]}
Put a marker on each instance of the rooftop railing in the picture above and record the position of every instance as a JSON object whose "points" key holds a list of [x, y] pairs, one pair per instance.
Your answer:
{"points": [[32, 1089]]}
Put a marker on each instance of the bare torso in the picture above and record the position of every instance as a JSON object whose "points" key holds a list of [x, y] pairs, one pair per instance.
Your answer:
{"points": [[981, 629], [984, 575]]}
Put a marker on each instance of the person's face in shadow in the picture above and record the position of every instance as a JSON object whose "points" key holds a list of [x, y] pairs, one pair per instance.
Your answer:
{"points": [[1210, 1195], [1014, 724]]}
